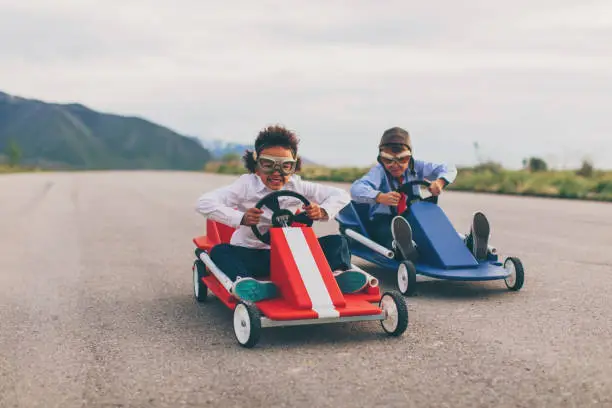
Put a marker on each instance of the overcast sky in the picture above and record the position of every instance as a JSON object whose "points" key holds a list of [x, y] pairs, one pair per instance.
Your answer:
{"points": [[522, 77]]}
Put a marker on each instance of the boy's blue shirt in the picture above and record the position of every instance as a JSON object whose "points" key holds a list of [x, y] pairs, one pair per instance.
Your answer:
{"points": [[377, 180]]}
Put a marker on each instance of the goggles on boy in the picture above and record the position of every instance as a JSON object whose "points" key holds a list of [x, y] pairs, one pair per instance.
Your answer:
{"points": [[270, 164], [401, 158]]}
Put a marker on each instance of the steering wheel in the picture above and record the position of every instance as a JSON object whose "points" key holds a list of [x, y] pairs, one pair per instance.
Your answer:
{"points": [[406, 188], [281, 217]]}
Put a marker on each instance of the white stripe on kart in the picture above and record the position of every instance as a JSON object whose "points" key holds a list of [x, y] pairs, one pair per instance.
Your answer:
{"points": [[309, 271]]}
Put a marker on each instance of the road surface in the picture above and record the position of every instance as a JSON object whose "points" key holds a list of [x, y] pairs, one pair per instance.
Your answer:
{"points": [[96, 310]]}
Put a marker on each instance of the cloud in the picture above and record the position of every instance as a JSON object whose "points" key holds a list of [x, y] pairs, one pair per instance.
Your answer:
{"points": [[521, 78]]}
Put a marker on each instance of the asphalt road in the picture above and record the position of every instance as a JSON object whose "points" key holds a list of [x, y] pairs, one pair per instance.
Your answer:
{"points": [[96, 310]]}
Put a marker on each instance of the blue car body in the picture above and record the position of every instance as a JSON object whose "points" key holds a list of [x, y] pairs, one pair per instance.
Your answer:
{"points": [[442, 252]]}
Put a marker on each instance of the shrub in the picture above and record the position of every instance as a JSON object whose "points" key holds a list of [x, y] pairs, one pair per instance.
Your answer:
{"points": [[571, 187], [13, 153], [586, 170], [603, 187], [535, 164], [489, 166]]}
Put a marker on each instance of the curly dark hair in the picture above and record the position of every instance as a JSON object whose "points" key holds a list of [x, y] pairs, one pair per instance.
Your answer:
{"points": [[272, 136]]}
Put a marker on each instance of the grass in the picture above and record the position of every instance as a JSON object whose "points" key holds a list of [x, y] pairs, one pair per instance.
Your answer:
{"points": [[6, 169], [562, 184], [486, 179]]}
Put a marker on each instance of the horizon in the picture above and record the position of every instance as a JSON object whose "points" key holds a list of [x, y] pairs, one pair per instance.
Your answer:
{"points": [[522, 79], [552, 165]]}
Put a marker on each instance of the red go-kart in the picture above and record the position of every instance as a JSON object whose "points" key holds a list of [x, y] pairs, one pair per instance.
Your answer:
{"points": [[308, 291]]}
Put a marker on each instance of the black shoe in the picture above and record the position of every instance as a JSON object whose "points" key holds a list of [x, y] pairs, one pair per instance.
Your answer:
{"points": [[402, 237], [478, 239]]}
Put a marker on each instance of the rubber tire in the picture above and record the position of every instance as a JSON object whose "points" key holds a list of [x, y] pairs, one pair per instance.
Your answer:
{"points": [[201, 295], [402, 313], [412, 283], [255, 322], [520, 274]]}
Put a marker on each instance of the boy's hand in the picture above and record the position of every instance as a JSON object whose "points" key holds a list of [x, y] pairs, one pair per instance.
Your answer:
{"points": [[436, 187], [391, 199], [315, 212], [251, 216]]}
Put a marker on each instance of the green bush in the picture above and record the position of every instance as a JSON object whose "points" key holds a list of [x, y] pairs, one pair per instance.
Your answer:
{"points": [[231, 169], [603, 188], [586, 170], [570, 188], [14, 154], [536, 164], [489, 166]]}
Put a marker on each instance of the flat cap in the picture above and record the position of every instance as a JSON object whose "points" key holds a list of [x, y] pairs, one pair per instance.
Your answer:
{"points": [[395, 135]]}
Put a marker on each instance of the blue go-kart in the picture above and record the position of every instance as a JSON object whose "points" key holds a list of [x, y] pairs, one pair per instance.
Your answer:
{"points": [[442, 251]]}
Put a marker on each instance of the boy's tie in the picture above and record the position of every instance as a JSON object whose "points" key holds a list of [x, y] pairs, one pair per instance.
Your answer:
{"points": [[402, 205]]}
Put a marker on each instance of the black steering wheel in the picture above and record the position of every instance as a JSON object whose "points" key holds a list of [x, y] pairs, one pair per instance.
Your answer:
{"points": [[406, 188], [281, 217]]}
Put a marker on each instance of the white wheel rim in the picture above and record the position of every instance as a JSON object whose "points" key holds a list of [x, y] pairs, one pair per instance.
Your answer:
{"points": [[196, 281], [402, 278], [390, 308], [511, 279], [242, 323]]}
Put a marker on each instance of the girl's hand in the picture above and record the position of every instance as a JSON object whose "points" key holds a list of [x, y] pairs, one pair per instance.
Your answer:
{"points": [[315, 212], [252, 216]]}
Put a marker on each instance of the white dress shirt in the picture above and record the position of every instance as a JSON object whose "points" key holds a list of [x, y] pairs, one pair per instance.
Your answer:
{"points": [[228, 204]]}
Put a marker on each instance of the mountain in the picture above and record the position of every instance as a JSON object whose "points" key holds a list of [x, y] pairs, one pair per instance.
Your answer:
{"points": [[220, 148], [74, 136]]}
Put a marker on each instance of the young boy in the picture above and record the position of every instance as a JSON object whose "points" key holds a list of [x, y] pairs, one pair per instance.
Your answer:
{"points": [[272, 167], [397, 166]]}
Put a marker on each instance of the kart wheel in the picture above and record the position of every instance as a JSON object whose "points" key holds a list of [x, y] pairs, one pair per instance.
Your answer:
{"points": [[406, 278], [200, 290], [517, 273], [247, 324], [394, 306]]}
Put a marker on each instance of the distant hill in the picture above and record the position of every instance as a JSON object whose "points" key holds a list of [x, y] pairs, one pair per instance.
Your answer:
{"points": [[74, 136], [220, 148]]}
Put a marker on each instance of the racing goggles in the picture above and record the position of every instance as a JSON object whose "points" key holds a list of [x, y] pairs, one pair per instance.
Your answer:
{"points": [[270, 164], [388, 159]]}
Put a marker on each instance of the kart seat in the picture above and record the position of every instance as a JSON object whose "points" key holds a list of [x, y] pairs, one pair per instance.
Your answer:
{"points": [[355, 216], [216, 233]]}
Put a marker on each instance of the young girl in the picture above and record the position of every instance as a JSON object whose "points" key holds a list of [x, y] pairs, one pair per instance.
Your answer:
{"points": [[272, 167]]}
